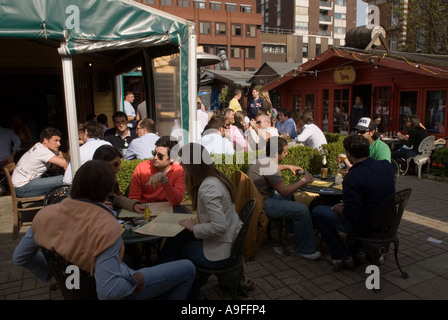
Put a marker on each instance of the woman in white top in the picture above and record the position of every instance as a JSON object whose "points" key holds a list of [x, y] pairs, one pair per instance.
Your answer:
{"points": [[207, 243]]}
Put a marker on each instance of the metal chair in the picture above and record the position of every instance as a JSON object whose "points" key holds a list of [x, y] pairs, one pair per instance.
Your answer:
{"points": [[56, 195], [396, 167], [21, 206], [425, 149], [229, 276], [58, 266], [385, 223]]}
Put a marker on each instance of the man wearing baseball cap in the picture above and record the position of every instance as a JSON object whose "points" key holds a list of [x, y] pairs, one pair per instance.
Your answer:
{"points": [[378, 149]]}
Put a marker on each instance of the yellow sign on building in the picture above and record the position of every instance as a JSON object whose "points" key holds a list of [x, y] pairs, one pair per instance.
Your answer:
{"points": [[344, 75]]}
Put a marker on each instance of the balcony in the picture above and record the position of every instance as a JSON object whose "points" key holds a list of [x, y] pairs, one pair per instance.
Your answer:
{"points": [[325, 5], [325, 19], [325, 33]]}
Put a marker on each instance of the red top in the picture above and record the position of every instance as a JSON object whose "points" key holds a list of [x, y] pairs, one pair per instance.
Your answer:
{"points": [[173, 191]]}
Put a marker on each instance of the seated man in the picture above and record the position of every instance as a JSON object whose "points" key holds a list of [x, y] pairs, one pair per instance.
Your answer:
{"points": [[365, 186], [279, 199], [213, 137], [260, 131], [378, 150], [309, 134], [159, 179], [27, 177], [121, 135], [84, 231], [286, 124], [92, 137], [143, 146]]}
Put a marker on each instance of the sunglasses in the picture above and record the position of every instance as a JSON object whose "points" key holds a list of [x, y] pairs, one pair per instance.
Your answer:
{"points": [[158, 155]]}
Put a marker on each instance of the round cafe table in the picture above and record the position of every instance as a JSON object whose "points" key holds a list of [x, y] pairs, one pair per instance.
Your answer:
{"points": [[326, 195]]}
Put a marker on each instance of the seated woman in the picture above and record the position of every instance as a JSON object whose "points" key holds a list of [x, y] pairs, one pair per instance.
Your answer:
{"points": [[83, 230], [411, 141], [207, 243], [113, 156]]}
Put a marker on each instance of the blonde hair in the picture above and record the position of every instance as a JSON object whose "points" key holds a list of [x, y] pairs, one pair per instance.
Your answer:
{"points": [[265, 95]]}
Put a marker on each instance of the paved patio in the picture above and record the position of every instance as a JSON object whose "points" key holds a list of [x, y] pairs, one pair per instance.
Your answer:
{"points": [[280, 277]]}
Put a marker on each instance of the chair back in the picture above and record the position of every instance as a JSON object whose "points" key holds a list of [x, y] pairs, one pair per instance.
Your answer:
{"points": [[8, 169], [245, 216], [56, 195], [396, 168], [387, 216], [58, 266], [427, 145]]}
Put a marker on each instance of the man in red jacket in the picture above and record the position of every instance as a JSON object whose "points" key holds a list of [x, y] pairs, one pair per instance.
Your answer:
{"points": [[159, 179]]}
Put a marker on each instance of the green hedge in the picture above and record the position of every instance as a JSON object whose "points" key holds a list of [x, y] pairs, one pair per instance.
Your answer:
{"points": [[309, 159], [439, 162]]}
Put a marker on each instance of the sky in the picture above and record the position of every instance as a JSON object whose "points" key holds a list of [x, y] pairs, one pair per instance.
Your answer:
{"points": [[361, 13]]}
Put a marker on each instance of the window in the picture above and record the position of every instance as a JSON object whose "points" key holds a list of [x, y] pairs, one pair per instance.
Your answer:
{"points": [[199, 4], [305, 50], [251, 31], [249, 53], [215, 6], [339, 30], [230, 7], [318, 49], [204, 27], [382, 97], [302, 10], [183, 3], [301, 25], [274, 48], [148, 1], [325, 102], [279, 18], [245, 8], [166, 2], [435, 111], [340, 2], [220, 28], [408, 107], [237, 30], [341, 16], [235, 52]]}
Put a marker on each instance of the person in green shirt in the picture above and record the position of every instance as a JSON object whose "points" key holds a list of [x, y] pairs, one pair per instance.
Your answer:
{"points": [[378, 149]]}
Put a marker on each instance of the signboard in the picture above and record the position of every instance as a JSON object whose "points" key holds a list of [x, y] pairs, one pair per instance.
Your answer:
{"points": [[344, 75]]}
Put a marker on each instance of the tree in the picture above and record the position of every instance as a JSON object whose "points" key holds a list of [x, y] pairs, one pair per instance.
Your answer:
{"points": [[426, 26]]}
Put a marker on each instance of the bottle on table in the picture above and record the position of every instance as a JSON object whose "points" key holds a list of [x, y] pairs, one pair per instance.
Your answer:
{"points": [[324, 168]]}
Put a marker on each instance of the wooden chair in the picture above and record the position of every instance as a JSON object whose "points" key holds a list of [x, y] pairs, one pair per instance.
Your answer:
{"points": [[425, 148], [385, 223], [21, 206], [229, 276]]}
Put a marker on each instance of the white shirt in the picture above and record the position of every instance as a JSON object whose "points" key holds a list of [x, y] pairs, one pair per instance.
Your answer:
{"points": [[312, 136], [32, 165], [217, 144], [141, 148], [86, 152], [202, 118]]}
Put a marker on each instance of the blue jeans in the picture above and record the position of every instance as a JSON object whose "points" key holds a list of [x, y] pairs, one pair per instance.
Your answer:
{"points": [[328, 223], [173, 279], [38, 187], [186, 246], [298, 214], [403, 153]]}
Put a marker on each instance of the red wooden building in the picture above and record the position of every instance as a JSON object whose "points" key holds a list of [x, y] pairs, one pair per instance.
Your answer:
{"points": [[393, 84]]}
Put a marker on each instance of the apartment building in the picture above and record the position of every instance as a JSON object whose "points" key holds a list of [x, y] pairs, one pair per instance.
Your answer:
{"points": [[231, 28], [296, 31]]}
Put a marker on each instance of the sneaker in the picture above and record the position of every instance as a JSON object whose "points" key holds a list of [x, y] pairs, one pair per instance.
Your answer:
{"points": [[310, 256]]}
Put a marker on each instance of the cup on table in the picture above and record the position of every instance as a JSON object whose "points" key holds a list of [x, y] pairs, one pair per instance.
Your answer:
{"points": [[341, 159], [324, 173]]}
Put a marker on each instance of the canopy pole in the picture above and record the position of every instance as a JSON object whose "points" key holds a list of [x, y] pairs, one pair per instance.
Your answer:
{"points": [[70, 106], [192, 86]]}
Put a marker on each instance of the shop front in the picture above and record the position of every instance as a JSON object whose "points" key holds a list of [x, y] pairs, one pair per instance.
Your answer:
{"points": [[391, 85]]}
